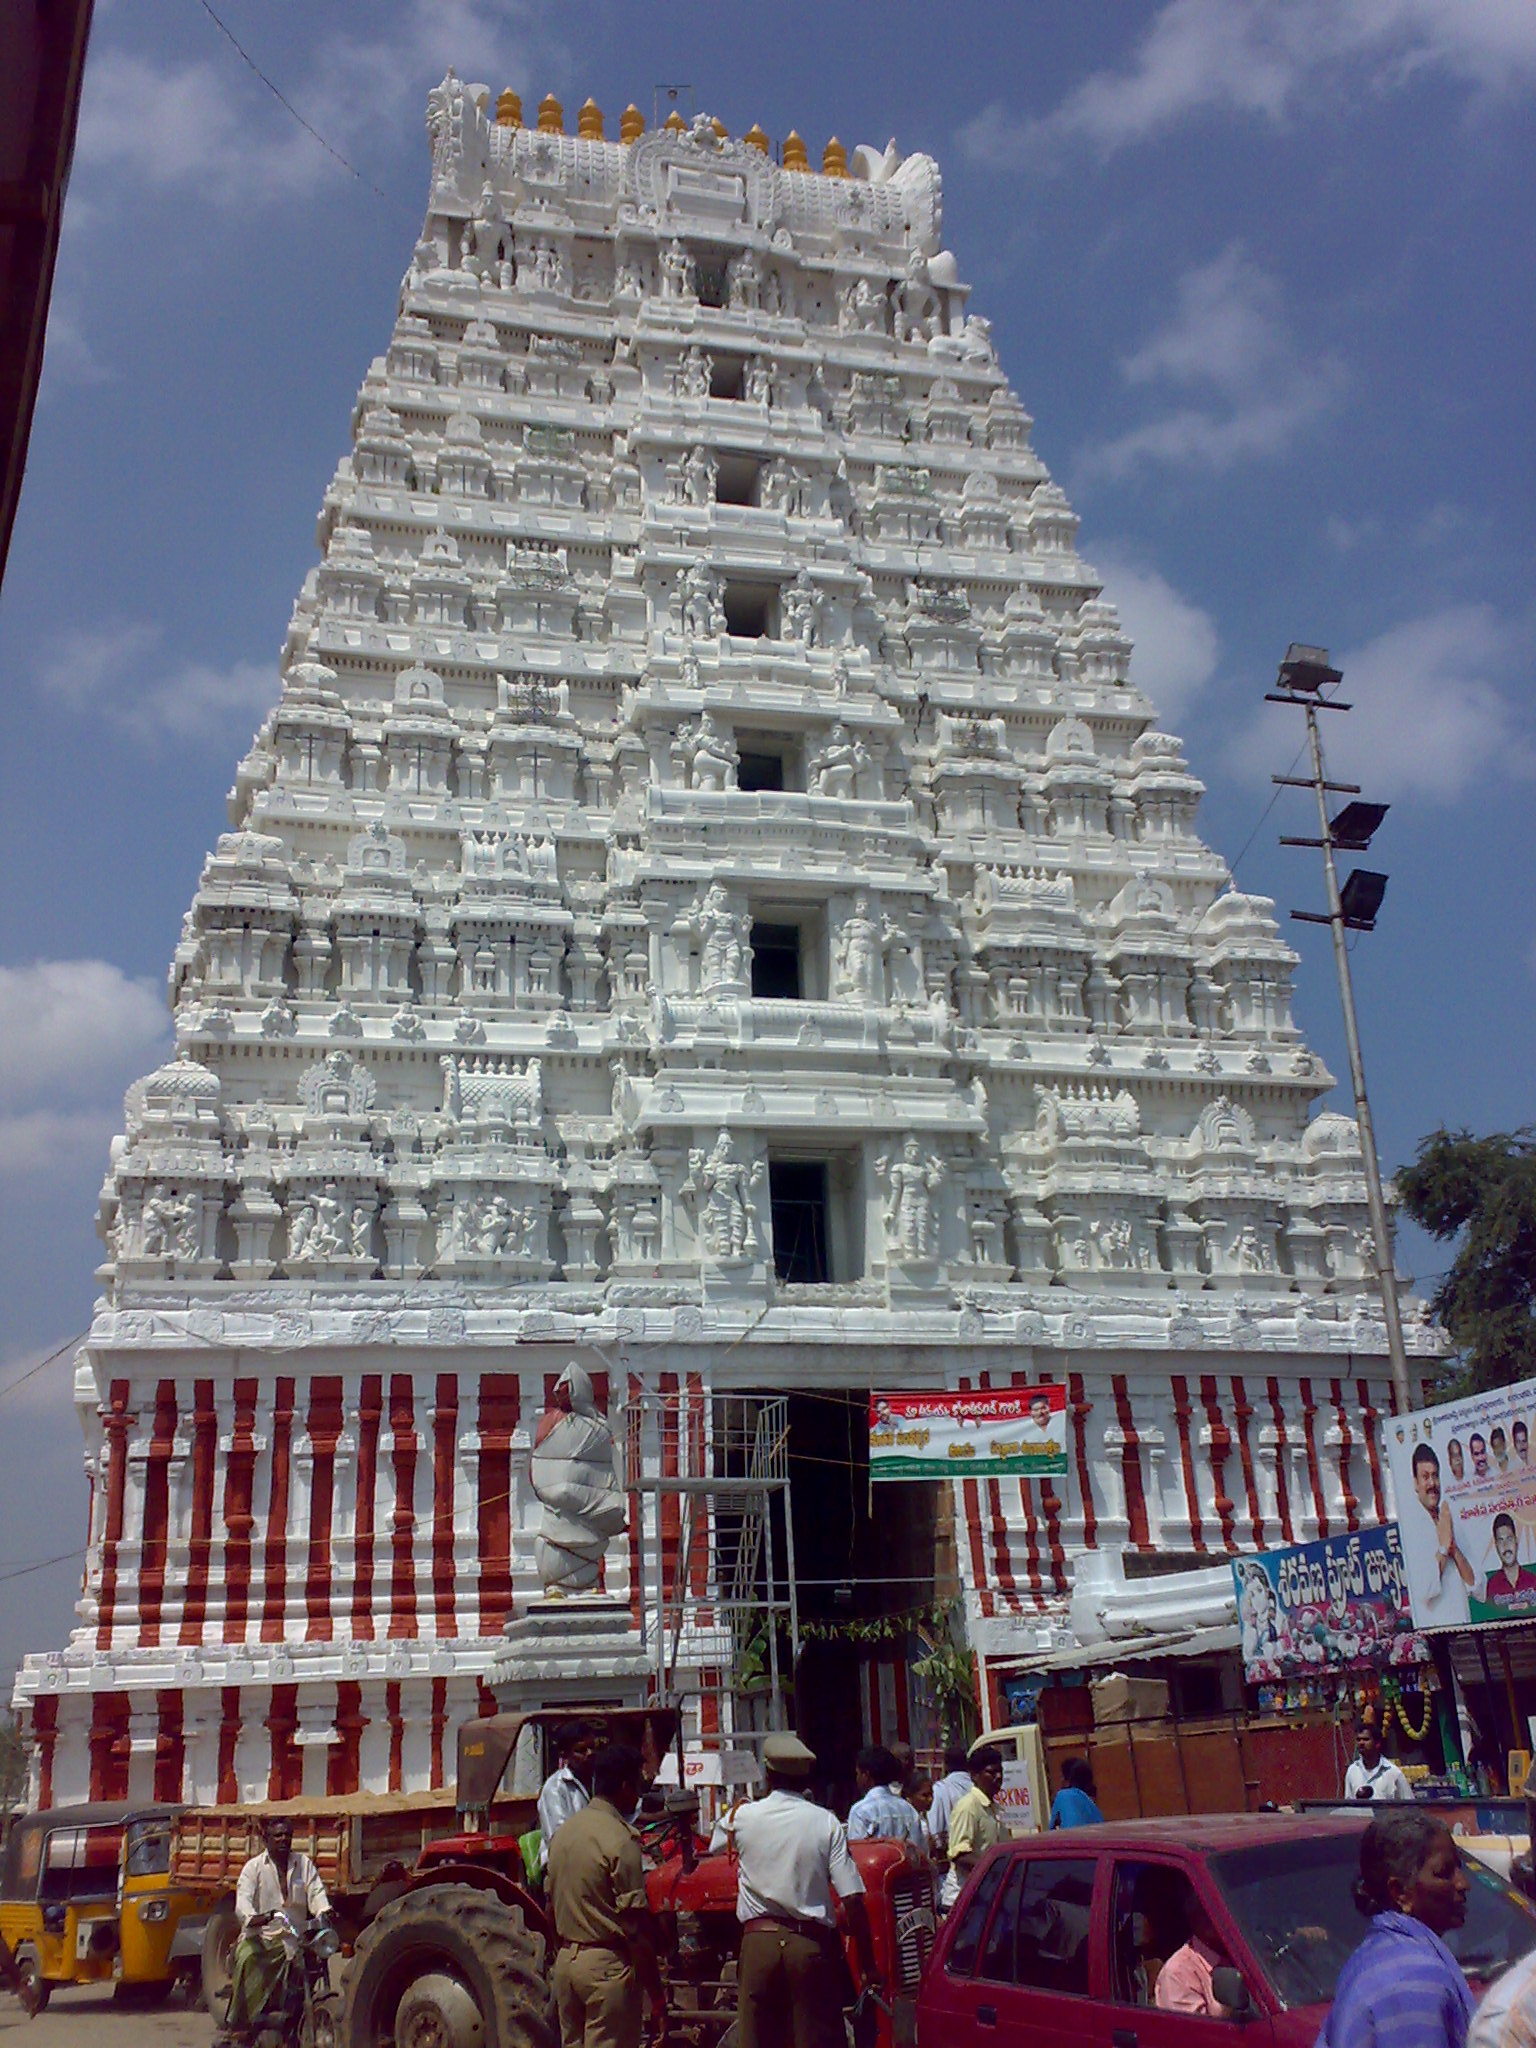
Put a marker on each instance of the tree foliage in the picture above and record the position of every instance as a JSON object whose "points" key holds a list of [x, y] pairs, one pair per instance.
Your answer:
{"points": [[1482, 1191], [13, 1767]]}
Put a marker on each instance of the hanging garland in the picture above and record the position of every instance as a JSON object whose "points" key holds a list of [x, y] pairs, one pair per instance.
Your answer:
{"points": [[1413, 1734]]}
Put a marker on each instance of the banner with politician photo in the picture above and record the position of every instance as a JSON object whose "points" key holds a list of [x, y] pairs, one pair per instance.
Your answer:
{"points": [[1339, 1604], [1018, 1432], [1464, 1478]]}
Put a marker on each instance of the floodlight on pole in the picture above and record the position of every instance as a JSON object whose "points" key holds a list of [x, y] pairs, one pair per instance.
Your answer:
{"points": [[1304, 674]]}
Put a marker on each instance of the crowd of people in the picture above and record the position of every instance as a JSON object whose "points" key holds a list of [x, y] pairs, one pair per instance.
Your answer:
{"points": [[796, 1878], [794, 1869]]}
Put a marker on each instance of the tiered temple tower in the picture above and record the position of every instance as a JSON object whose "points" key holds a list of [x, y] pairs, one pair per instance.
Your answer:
{"points": [[711, 903]]}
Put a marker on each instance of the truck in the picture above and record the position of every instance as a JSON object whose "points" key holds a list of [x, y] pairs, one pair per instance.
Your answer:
{"points": [[449, 1940]]}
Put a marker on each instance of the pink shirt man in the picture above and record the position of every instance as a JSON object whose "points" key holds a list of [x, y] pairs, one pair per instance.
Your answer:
{"points": [[1184, 1981]]}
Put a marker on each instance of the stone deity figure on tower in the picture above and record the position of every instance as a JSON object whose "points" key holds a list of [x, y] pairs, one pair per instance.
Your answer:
{"points": [[576, 1480], [724, 949], [703, 613], [860, 953], [724, 1185], [911, 1213]]}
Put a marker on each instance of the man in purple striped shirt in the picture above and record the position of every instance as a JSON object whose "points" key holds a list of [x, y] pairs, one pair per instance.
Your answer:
{"points": [[1402, 1988]]}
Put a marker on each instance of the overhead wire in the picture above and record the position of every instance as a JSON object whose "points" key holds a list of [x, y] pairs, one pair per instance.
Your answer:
{"points": [[1274, 799], [287, 104], [42, 1365]]}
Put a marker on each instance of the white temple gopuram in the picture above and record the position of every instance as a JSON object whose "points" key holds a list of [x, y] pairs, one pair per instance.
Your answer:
{"points": [[711, 906]]}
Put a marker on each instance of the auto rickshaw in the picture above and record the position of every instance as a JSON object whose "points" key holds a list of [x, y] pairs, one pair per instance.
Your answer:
{"points": [[86, 1897]]}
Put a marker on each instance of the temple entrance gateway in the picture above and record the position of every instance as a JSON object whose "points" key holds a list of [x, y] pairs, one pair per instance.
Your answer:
{"points": [[710, 907]]}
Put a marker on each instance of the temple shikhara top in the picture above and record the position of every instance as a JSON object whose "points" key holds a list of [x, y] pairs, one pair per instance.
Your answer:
{"points": [[710, 915]]}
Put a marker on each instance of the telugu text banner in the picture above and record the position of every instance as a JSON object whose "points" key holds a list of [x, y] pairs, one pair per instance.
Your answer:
{"points": [[1018, 1432]]}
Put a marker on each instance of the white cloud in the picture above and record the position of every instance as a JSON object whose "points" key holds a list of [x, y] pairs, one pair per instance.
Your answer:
{"points": [[211, 126], [73, 1034], [116, 669], [1175, 641], [1269, 60], [1228, 338], [64, 1023], [1432, 711], [69, 361]]}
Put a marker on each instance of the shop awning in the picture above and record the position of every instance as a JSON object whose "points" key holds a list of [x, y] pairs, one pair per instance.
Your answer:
{"points": [[1185, 1642]]}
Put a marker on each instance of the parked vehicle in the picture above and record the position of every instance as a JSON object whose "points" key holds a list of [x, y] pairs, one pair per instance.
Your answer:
{"points": [[1057, 1939], [86, 1898], [460, 1952]]}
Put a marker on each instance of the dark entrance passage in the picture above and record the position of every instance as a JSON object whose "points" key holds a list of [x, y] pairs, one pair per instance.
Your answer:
{"points": [[855, 1563]]}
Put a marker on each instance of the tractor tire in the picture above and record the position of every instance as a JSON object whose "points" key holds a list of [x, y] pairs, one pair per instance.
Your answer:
{"points": [[449, 1966], [219, 1937]]}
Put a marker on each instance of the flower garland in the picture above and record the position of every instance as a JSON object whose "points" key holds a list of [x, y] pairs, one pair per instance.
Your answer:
{"points": [[1414, 1734]]}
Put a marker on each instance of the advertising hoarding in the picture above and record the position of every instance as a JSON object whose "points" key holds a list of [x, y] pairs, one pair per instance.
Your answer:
{"points": [[993, 1433], [1464, 1480], [1339, 1604]]}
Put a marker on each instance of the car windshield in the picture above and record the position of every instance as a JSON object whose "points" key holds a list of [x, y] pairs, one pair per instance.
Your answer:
{"points": [[1294, 1902]]}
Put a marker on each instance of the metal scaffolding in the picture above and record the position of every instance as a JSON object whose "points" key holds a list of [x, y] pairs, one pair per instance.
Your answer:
{"points": [[717, 1598]]}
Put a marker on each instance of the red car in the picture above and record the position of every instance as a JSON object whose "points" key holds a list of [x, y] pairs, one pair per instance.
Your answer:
{"points": [[1057, 1939]]}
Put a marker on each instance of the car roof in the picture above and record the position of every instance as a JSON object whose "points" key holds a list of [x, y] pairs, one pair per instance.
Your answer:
{"points": [[1204, 1831]]}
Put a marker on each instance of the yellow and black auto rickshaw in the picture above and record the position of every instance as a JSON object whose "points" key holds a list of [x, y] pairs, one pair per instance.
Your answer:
{"points": [[86, 1898]]}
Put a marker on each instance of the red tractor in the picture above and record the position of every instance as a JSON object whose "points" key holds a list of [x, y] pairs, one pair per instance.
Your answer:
{"points": [[456, 1953]]}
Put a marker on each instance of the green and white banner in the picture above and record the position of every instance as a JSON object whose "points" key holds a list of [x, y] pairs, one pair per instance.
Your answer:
{"points": [[1013, 1432]]}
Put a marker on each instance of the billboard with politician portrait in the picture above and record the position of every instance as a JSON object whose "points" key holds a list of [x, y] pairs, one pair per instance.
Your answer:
{"points": [[1020, 1432], [1464, 1478]]}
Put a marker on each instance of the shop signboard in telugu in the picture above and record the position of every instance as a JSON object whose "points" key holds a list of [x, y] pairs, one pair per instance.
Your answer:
{"points": [[1017, 1432], [1464, 1478], [1340, 1604]]}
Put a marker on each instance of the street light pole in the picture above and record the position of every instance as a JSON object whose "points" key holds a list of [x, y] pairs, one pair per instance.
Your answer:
{"points": [[1304, 674], [1375, 1201]]}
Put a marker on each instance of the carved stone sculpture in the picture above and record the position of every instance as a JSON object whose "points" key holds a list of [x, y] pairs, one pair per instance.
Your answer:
{"points": [[573, 1474], [911, 1213], [724, 1185]]}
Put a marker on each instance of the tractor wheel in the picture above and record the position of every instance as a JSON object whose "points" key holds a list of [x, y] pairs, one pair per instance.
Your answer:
{"points": [[35, 1989], [448, 1967], [219, 1937]]}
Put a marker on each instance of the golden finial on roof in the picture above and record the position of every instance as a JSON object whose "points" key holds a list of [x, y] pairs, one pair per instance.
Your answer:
{"points": [[509, 110], [631, 124], [675, 124], [720, 128], [834, 160], [795, 158], [589, 121], [551, 115], [756, 139]]}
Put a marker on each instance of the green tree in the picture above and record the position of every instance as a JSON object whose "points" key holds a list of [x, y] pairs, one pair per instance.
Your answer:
{"points": [[13, 1768], [1482, 1191]]}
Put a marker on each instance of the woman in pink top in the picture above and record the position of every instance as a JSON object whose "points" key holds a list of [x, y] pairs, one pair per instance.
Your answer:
{"points": [[1184, 1981]]}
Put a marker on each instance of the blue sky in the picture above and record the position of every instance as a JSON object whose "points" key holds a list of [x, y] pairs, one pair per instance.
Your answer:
{"points": [[1262, 270]]}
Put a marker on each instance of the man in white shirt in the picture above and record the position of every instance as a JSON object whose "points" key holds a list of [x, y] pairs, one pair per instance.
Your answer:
{"points": [[880, 1813], [1439, 1574], [276, 1894], [567, 1789], [792, 1858], [1373, 1775], [947, 1794]]}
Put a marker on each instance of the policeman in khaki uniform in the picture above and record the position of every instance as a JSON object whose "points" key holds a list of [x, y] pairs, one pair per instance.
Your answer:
{"points": [[596, 1889], [792, 1858]]}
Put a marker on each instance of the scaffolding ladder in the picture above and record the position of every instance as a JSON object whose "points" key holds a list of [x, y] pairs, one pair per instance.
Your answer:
{"points": [[716, 1596]]}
